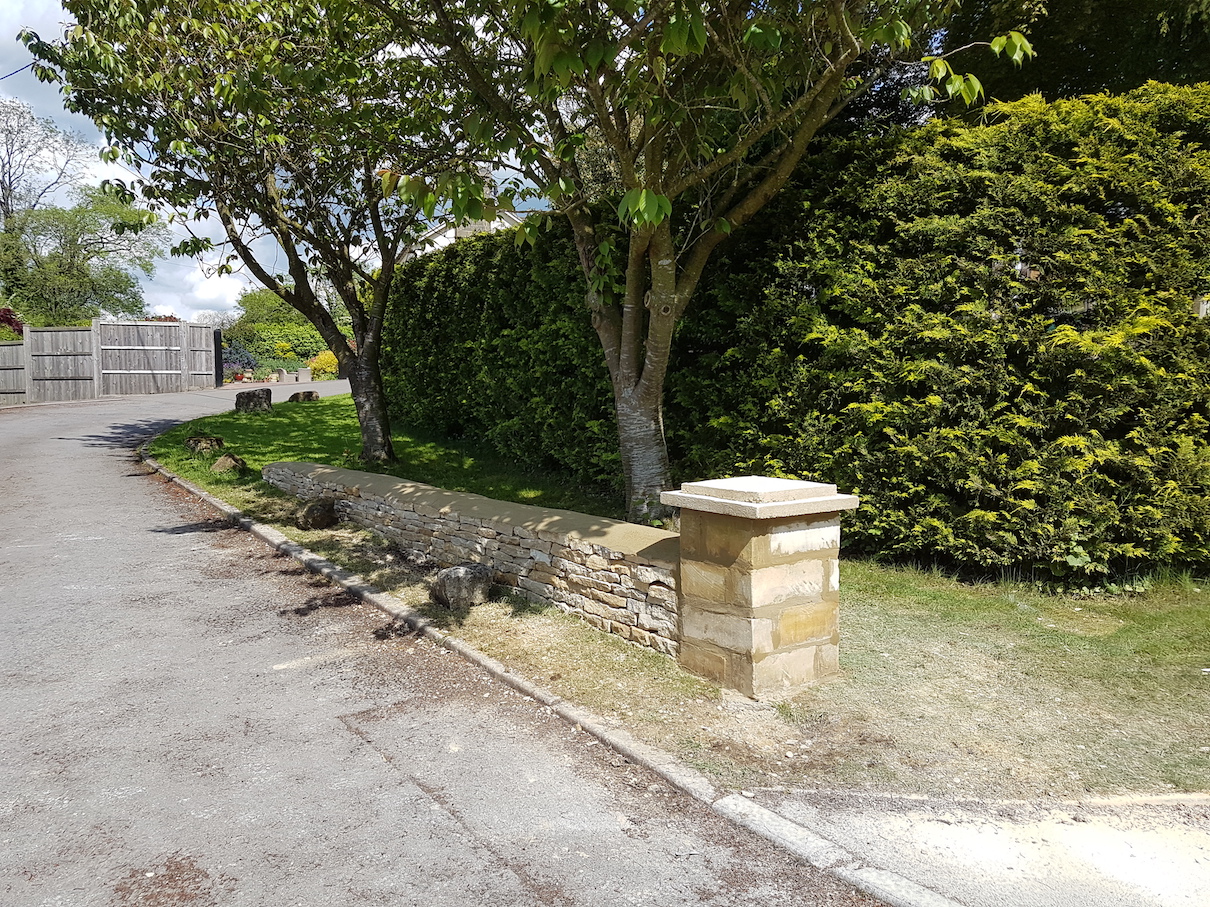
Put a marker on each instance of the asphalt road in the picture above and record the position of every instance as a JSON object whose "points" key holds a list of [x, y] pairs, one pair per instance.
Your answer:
{"points": [[189, 719]]}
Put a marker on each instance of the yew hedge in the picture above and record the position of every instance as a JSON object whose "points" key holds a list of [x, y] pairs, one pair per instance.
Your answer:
{"points": [[987, 331]]}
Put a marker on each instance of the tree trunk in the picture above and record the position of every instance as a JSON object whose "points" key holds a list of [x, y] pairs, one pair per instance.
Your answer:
{"points": [[636, 336], [644, 454], [370, 401]]}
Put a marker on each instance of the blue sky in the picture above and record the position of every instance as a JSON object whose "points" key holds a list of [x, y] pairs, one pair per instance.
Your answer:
{"points": [[180, 286]]}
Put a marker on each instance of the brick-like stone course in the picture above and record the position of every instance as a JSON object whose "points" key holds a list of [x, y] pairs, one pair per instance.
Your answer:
{"points": [[619, 577]]}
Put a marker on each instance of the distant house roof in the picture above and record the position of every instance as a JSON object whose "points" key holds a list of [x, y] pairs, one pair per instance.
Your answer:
{"points": [[447, 233]]}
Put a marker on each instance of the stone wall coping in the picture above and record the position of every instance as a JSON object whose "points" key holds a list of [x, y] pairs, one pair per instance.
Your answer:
{"points": [[760, 498], [655, 546], [758, 489]]}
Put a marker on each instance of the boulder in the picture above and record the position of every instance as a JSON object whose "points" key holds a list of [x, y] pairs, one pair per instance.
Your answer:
{"points": [[462, 586], [228, 462], [203, 443], [317, 514], [303, 397], [254, 401]]}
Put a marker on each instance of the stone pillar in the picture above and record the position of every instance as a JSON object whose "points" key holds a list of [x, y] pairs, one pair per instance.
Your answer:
{"points": [[760, 581]]}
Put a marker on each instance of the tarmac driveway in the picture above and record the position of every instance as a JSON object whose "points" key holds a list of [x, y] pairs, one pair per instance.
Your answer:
{"points": [[188, 718]]}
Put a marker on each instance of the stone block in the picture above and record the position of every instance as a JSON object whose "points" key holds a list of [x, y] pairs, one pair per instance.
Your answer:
{"points": [[619, 629], [805, 537], [790, 583], [711, 663], [831, 576], [666, 646], [608, 598], [704, 581], [728, 631], [530, 585], [783, 672], [661, 594], [817, 623], [569, 566]]}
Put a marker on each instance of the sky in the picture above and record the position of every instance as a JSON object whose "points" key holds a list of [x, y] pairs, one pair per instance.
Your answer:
{"points": [[180, 286]]}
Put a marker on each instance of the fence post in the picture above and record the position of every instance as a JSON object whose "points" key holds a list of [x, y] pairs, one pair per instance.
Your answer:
{"points": [[97, 376], [183, 332], [760, 581], [28, 357]]}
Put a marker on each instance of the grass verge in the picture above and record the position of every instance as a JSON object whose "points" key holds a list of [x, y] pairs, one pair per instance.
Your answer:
{"points": [[947, 688]]}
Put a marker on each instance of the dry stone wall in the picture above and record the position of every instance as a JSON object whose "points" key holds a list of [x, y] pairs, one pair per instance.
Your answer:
{"points": [[619, 577]]}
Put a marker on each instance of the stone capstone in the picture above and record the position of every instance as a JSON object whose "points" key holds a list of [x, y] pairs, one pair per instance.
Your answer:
{"points": [[254, 401], [304, 397], [463, 585], [203, 443], [228, 462], [317, 514]]}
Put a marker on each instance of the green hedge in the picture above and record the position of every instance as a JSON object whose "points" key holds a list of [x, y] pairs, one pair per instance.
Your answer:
{"points": [[489, 342], [290, 342], [986, 331]]}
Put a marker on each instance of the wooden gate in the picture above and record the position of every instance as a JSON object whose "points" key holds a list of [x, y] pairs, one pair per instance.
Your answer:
{"points": [[136, 357]]}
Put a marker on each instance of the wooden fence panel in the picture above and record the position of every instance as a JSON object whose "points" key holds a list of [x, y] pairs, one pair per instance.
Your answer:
{"points": [[200, 364], [60, 364], [141, 357], [12, 373]]}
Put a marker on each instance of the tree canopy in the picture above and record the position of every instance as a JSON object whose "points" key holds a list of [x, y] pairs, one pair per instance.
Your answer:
{"points": [[37, 158], [692, 117], [61, 266], [273, 118]]}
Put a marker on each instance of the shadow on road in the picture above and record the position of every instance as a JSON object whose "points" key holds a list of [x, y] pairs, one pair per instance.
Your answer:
{"points": [[318, 602], [200, 526], [126, 435]]}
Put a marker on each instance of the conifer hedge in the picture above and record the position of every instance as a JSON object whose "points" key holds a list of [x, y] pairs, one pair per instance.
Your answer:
{"points": [[987, 331]]}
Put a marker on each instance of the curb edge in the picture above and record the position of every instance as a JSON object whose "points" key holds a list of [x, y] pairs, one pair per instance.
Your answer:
{"points": [[797, 840]]}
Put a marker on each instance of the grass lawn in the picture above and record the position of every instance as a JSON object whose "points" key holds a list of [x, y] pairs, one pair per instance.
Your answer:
{"points": [[326, 431], [947, 688]]}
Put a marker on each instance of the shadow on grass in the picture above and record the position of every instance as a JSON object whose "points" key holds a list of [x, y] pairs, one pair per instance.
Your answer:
{"points": [[519, 608]]}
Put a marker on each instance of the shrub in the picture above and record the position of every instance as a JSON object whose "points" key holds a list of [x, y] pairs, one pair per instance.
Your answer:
{"points": [[236, 359], [324, 366], [985, 331], [278, 341], [11, 327], [490, 342]]}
